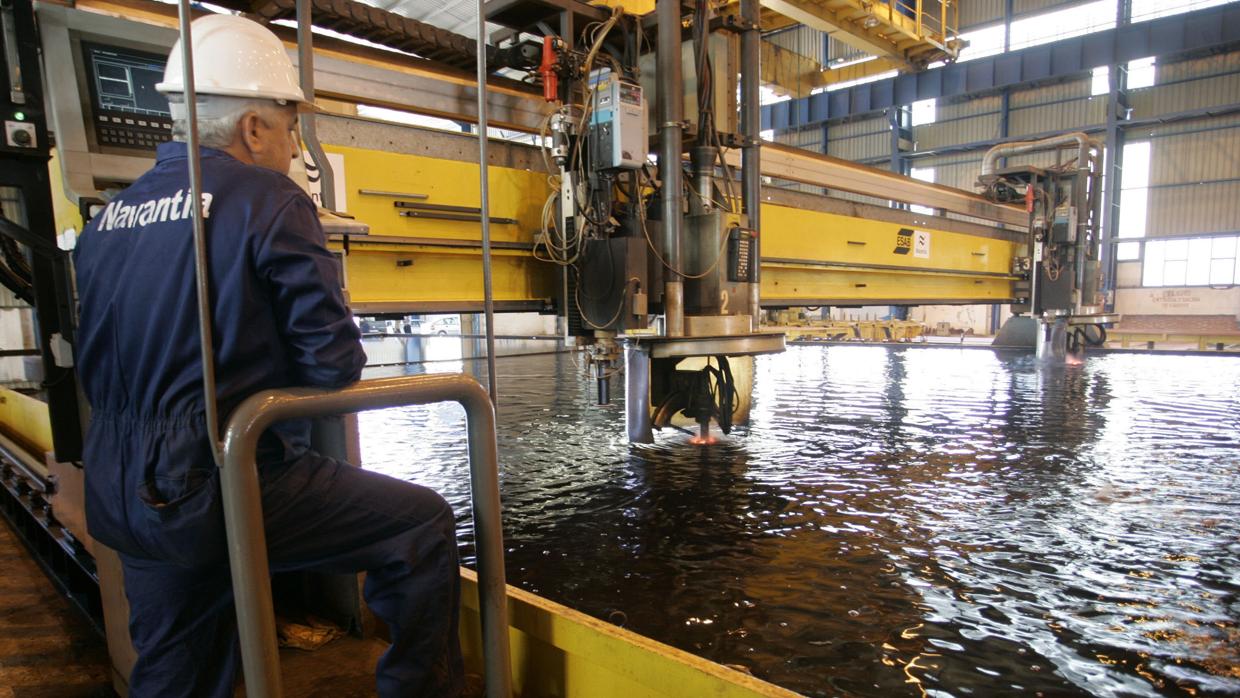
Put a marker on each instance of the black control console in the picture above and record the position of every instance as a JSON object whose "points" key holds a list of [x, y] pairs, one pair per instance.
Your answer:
{"points": [[126, 112]]}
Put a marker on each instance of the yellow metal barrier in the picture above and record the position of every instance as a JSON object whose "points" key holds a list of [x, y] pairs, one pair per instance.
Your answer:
{"points": [[557, 651], [25, 420]]}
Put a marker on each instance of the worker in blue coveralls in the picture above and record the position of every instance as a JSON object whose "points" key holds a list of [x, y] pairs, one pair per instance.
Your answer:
{"points": [[152, 488]]}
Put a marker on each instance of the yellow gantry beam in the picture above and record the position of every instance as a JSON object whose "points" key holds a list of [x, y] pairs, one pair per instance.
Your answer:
{"points": [[808, 257], [908, 33]]}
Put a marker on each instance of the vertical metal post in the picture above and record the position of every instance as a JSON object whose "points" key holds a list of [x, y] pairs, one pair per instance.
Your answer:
{"points": [[671, 118], [484, 187], [1113, 173], [309, 127], [751, 151], [637, 394], [201, 260]]}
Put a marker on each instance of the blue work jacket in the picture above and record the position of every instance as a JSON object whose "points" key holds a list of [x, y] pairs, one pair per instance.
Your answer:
{"points": [[278, 316]]}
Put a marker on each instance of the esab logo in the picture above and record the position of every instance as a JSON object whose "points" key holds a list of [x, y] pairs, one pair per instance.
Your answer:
{"points": [[915, 241], [904, 241]]}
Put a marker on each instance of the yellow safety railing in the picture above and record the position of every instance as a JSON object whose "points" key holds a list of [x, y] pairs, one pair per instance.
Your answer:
{"points": [[936, 21]]}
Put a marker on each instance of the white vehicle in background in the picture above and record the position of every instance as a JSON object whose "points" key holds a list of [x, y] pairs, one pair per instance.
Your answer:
{"points": [[449, 324]]}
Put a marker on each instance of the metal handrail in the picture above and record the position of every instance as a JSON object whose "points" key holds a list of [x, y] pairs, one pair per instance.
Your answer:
{"points": [[243, 510]]}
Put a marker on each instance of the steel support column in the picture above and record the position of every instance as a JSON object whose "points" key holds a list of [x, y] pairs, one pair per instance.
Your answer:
{"points": [[751, 129], [1113, 174], [671, 136]]}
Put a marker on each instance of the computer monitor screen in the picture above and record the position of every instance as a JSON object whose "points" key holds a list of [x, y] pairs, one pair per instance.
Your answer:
{"points": [[127, 110], [125, 80]]}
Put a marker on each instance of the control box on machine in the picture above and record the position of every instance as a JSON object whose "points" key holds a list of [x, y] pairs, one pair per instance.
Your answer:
{"points": [[617, 122]]}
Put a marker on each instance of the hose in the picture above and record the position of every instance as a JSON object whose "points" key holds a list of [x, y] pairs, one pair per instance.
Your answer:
{"points": [[15, 272]]}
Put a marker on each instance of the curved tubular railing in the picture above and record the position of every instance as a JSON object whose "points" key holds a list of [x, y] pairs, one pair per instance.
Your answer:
{"points": [[243, 510]]}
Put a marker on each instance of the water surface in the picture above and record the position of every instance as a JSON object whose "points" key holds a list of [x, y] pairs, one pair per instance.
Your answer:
{"points": [[893, 522]]}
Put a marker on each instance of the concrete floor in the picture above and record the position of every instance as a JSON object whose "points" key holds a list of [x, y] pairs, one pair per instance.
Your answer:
{"points": [[47, 650]]}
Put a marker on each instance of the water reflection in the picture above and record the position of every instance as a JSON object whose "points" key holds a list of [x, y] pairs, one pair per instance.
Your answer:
{"points": [[893, 522]]}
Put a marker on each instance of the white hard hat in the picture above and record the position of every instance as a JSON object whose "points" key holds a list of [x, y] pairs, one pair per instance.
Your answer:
{"points": [[235, 57]]}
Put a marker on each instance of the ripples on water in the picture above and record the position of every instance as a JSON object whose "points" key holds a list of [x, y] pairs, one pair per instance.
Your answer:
{"points": [[893, 522]]}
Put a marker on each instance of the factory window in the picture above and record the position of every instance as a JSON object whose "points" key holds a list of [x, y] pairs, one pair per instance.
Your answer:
{"points": [[769, 96], [1063, 24], [409, 118], [1143, 10], [925, 174], [1191, 262], [925, 111], [987, 41], [861, 81], [1134, 197], [1140, 74]]}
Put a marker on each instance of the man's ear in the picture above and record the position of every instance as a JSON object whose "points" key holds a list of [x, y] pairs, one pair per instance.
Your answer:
{"points": [[248, 127]]}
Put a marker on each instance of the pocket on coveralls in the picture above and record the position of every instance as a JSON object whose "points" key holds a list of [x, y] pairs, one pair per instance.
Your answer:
{"points": [[184, 522]]}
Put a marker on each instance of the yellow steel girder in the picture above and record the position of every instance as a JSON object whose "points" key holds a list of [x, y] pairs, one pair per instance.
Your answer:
{"points": [[882, 28], [808, 257], [25, 420], [825, 258]]}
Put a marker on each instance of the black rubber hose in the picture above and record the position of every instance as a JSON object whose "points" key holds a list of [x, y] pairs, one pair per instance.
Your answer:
{"points": [[14, 283], [1096, 340], [15, 272]]}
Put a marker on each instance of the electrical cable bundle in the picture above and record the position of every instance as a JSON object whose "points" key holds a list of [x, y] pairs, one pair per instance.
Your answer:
{"points": [[15, 272]]}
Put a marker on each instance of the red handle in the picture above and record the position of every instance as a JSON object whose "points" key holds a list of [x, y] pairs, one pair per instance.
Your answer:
{"points": [[551, 82]]}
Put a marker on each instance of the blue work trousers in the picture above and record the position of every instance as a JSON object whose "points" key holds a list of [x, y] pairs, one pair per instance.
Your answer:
{"points": [[326, 516]]}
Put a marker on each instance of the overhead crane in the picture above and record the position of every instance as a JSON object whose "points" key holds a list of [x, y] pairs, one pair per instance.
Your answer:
{"points": [[692, 254], [904, 35]]}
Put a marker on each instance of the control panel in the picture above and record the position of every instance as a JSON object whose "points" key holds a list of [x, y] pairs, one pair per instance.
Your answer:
{"points": [[126, 112], [21, 97], [617, 123], [740, 255]]}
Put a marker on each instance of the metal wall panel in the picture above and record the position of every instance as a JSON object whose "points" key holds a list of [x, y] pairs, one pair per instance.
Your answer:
{"points": [[1023, 7], [971, 130], [1198, 208], [803, 40], [1064, 116], [1185, 96], [961, 108], [975, 13], [806, 139], [866, 148], [1192, 157], [857, 127], [1068, 89]]}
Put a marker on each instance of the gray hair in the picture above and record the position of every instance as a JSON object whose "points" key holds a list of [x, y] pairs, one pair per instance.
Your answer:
{"points": [[218, 116]]}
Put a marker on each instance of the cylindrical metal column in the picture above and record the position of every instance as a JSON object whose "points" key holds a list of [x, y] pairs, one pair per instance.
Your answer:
{"points": [[202, 270], [637, 394], [309, 128], [484, 186], [671, 118], [751, 129]]}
